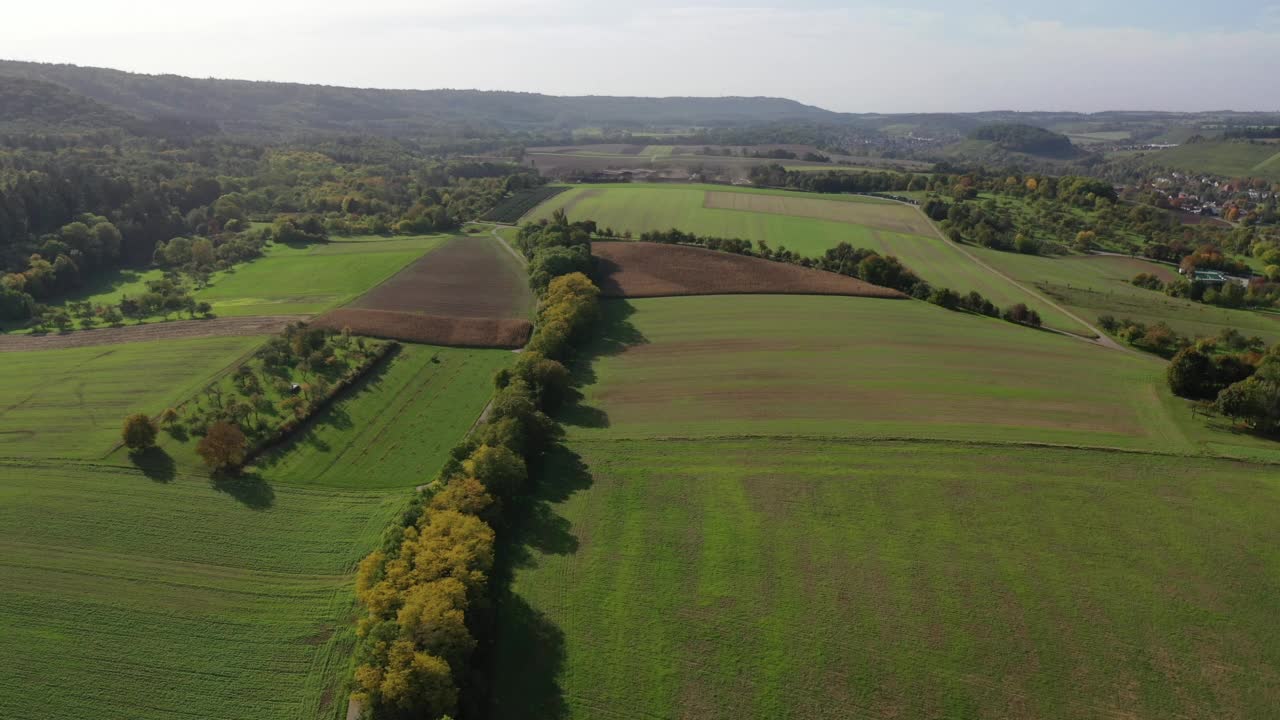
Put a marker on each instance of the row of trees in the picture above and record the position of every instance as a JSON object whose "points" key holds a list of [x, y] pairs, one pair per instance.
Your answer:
{"points": [[861, 263], [267, 397], [425, 592]]}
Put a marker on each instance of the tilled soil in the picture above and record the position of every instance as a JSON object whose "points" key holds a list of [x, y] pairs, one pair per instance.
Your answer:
{"points": [[639, 269], [429, 329]]}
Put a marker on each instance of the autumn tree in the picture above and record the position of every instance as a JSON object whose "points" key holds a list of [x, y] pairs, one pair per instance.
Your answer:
{"points": [[223, 446], [139, 432]]}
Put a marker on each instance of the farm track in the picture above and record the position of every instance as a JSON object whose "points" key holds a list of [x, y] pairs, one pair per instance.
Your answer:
{"points": [[177, 330], [1102, 339]]}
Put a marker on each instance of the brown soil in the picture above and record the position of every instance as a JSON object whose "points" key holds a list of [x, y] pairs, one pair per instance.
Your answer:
{"points": [[638, 269], [469, 277], [430, 329], [176, 330]]}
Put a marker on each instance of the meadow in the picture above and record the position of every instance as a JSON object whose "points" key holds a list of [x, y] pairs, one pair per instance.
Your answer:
{"points": [[71, 403], [1100, 285], [310, 279], [641, 208], [854, 367], [135, 598], [797, 578], [395, 428]]}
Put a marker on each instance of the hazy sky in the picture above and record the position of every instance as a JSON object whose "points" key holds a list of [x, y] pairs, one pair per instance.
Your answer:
{"points": [[870, 56]]}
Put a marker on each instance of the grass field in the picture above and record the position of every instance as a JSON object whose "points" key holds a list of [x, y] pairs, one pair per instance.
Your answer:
{"points": [[846, 508], [314, 278], [642, 208], [1100, 285], [126, 598], [1228, 159], [72, 403], [828, 579], [815, 366], [395, 428]]}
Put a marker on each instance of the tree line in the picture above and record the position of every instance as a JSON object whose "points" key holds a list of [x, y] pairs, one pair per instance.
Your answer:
{"points": [[426, 593]]}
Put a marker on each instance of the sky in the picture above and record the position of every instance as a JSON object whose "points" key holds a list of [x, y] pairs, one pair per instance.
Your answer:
{"points": [[860, 56]]}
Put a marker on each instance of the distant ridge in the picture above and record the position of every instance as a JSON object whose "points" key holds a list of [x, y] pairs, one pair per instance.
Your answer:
{"points": [[244, 104]]}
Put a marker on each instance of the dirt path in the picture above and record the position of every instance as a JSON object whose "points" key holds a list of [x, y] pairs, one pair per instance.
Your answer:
{"points": [[176, 330], [1102, 338], [519, 257]]}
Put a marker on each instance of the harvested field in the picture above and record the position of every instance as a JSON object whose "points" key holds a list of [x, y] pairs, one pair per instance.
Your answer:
{"points": [[885, 216], [639, 269], [430, 329], [179, 330], [469, 277], [470, 293]]}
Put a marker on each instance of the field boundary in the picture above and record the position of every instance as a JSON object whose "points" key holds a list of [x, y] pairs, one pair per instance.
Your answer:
{"points": [[907, 440], [152, 332]]}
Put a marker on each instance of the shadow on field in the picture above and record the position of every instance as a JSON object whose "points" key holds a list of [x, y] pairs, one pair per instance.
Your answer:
{"points": [[249, 488], [616, 334], [531, 656], [155, 463], [333, 415]]}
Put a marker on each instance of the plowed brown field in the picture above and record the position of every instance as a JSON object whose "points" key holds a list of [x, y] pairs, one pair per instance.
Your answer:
{"points": [[430, 329], [469, 293], [638, 269]]}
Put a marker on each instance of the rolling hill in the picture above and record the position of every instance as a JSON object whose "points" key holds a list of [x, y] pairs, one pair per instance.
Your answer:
{"points": [[246, 105]]}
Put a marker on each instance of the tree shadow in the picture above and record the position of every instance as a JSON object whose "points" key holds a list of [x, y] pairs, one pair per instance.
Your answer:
{"points": [[334, 414], [249, 488], [155, 463], [528, 665], [615, 335]]}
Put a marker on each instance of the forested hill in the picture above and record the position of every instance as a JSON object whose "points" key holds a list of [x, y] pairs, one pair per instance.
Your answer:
{"points": [[1026, 139], [246, 105], [40, 106]]}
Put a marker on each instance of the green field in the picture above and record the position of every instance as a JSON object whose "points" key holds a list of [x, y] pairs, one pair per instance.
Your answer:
{"points": [[1091, 286], [852, 367], [831, 579], [1225, 158], [641, 208], [314, 278], [131, 598], [809, 507], [395, 428], [72, 403]]}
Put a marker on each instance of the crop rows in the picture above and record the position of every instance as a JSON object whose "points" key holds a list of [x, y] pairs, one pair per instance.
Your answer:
{"points": [[511, 209]]}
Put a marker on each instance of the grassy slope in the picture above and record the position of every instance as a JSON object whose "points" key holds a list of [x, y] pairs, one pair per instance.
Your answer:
{"points": [[128, 598], [679, 567], [396, 428], [314, 278], [641, 208], [1229, 159], [71, 403], [1093, 286], [805, 579]]}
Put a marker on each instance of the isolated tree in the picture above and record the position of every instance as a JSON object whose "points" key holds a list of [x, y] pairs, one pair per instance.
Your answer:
{"points": [[169, 417], [139, 432], [223, 446]]}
